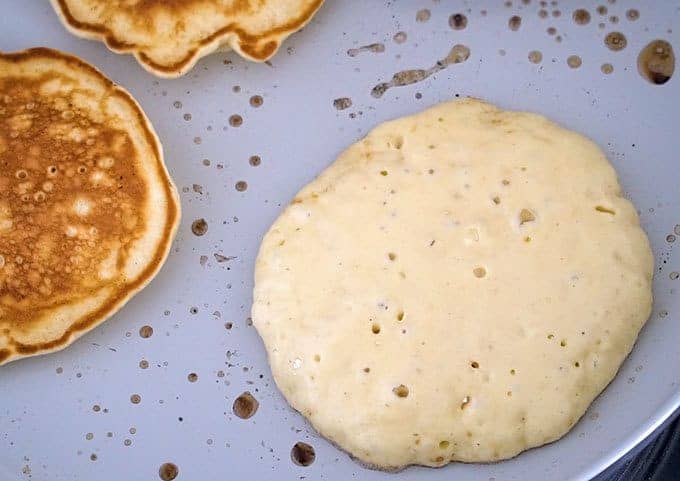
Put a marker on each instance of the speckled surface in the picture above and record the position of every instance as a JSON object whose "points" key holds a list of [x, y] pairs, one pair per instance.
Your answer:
{"points": [[168, 397]]}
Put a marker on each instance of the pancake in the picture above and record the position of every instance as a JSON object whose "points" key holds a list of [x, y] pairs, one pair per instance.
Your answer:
{"points": [[87, 208], [169, 36], [457, 286]]}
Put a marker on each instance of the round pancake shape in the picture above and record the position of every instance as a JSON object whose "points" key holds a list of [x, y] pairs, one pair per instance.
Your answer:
{"points": [[87, 208], [168, 37], [457, 286]]}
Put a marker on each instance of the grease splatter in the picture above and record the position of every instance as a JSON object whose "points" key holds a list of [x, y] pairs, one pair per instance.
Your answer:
{"points": [[458, 54], [373, 48]]}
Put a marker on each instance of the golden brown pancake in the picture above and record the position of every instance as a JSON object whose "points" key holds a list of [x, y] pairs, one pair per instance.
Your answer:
{"points": [[87, 208], [169, 36]]}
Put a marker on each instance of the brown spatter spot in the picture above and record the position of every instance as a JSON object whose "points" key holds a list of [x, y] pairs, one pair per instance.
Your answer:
{"points": [[373, 48], [245, 406], [256, 101], [574, 61], [632, 14], [515, 22], [236, 89], [93, 457], [466, 401], [235, 120], [135, 399], [458, 54], [556, 13], [656, 62], [254, 160], [479, 272], [607, 68], [615, 41], [342, 103], [602, 10], [474, 365], [400, 391], [241, 186], [143, 364], [400, 37], [168, 471], [423, 15], [458, 21], [551, 30], [145, 332], [199, 227], [525, 215], [96, 408], [581, 16], [535, 56], [543, 13], [605, 210], [192, 377], [302, 454]]}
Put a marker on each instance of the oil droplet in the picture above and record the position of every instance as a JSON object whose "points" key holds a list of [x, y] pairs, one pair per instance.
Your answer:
{"points": [[535, 56], [581, 16], [423, 15], [515, 22], [615, 41], [245, 406], [632, 14], [373, 47], [607, 68], [256, 101], [400, 37], [574, 61], [168, 471], [656, 62], [177, 104], [145, 332], [342, 103], [241, 185], [302, 454], [235, 120], [199, 227], [143, 364], [458, 21]]}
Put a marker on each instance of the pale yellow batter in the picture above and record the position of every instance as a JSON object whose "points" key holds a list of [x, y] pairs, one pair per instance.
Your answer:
{"points": [[458, 286]]}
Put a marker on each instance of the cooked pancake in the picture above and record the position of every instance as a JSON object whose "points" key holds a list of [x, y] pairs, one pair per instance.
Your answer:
{"points": [[87, 208], [169, 36], [457, 286]]}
